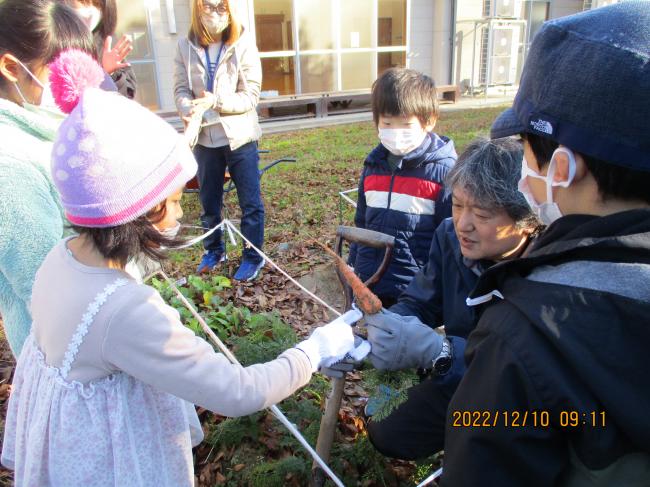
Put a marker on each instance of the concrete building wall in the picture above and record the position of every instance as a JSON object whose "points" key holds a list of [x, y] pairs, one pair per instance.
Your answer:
{"points": [[441, 41], [165, 45], [420, 55], [430, 38], [467, 12]]}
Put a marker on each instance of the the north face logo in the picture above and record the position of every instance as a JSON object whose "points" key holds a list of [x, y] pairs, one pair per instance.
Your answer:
{"points": [[542, 126]]}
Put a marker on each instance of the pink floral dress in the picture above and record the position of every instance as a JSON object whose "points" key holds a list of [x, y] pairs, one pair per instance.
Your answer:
{"points": [[116, 431]]}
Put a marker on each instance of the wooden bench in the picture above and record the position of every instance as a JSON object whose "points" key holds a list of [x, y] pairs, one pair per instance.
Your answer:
{"points": [[448, 93], [312, 102], [317, 104]]}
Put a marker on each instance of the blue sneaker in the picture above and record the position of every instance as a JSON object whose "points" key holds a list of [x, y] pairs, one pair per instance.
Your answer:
{"points": [[210, 260], [248, 270], [377, 403]]}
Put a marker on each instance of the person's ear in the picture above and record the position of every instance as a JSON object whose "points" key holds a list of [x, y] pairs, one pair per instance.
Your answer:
{"points": [[528, 231], [563, 167], [9, 67]]}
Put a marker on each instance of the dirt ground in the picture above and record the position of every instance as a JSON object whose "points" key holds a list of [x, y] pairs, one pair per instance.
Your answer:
{"points": [[7, 364]]}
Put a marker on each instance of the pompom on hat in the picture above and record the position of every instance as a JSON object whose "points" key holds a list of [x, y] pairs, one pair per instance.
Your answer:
{"points": [[113, 160]]}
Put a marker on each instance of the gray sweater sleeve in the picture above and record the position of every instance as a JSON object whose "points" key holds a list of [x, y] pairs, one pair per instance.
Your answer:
{"points": [[146, 339], [183, 95]]}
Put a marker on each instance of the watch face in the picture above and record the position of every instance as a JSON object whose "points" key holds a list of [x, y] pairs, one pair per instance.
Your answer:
{"points": [[442, 365]]}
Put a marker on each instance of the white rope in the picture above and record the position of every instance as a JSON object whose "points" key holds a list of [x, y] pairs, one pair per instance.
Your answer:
{"points": [[230, 229], [195, 240], [277, 267], [231, 357], [344, 195], [431, 478]]}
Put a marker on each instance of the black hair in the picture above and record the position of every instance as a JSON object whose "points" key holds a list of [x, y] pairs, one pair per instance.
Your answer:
{"points": [[489, 171], [614, 181], [405, 92], [38, 30], [124, 243], [108, 22]]}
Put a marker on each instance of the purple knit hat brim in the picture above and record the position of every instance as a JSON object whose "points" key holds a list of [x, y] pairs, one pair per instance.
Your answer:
{"points": [[172, 182], [114, 160]]}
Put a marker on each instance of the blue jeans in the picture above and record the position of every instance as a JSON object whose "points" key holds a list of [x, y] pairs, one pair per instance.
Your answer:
{"points": [[242, 164]]}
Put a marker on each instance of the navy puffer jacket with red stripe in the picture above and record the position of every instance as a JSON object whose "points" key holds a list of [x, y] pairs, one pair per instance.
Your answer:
{"points": [[407, 202]]}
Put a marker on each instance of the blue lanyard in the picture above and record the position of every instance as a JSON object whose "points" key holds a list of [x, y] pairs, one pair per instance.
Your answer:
{"points": [[212, 72]]}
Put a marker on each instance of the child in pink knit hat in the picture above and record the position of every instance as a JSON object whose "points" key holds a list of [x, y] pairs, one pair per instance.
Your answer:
{"points": [[104, 386]]}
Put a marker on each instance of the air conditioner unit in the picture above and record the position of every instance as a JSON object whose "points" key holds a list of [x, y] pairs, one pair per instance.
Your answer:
{"points": [[503, 8], [503, 41], [500, 71], [501, 55]]}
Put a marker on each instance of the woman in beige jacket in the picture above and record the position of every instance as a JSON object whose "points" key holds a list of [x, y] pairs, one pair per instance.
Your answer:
{"points": [[218, 66]]}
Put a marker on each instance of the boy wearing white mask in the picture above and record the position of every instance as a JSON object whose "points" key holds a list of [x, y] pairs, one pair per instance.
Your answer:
{"points": [[401, 191]]}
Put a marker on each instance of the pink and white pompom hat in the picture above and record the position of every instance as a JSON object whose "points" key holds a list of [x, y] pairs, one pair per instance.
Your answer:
{"points": [[113, 160]]}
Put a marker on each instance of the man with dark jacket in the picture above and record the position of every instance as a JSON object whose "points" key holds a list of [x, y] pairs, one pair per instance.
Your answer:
{"points": [[491, 222], [557, 387]]}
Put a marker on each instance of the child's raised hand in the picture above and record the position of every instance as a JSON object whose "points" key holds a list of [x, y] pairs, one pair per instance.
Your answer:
{"points": [[113, 57]]}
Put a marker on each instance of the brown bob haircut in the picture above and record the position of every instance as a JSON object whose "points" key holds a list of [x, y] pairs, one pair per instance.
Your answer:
{"points": [[128, 241], [404, 93], [199, 33]]}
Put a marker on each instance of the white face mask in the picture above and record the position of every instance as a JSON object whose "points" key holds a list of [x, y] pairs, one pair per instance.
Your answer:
{"points": [[170, 232], [402, 141], [91, 16], [189, 242], [47, 106], [548, 211], [215, 23]]}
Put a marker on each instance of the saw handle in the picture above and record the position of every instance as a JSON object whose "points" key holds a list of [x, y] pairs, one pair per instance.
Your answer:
{"points": [[369, 238]]}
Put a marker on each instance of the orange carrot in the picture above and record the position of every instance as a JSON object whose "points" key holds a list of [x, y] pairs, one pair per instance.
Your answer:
{"points": [[366, 299]]}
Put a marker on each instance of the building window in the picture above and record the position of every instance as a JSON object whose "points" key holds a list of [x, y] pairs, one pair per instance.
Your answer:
{"points": [[132, 20], [387, 60], [310, 46], [316, 24], [391, 25], [355, 28], [317, 72], [357, 70]]}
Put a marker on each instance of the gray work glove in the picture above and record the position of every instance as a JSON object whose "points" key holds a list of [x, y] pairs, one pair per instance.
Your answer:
{"points": [[401, 342]]}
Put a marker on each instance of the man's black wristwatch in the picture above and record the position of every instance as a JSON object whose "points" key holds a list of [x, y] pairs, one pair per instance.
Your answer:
{"points": [[442, 363]]}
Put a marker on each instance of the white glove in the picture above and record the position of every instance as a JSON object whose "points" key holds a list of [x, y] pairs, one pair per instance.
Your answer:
{"points": [[328, 344]]}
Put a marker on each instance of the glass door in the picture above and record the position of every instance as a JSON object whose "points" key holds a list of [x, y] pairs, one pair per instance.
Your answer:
{"points": [[312, 46], [133, 21]]}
